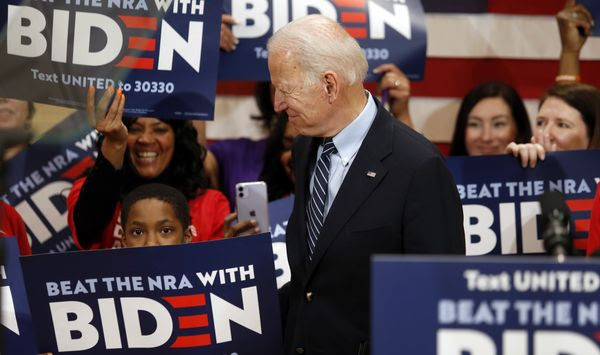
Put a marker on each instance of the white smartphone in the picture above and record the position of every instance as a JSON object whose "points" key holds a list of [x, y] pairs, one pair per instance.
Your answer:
{"points": [[252, 203]]}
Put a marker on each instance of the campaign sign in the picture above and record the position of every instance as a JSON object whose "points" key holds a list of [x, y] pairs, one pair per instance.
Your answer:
{"points": [[38, 181], [593, 7], [163, 53], [388, 32], [500, 199], [279, 213], [484, 306], [16, 331], [216, 297]]}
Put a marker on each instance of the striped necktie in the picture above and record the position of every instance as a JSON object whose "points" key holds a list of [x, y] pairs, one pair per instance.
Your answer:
{"points": [[318, 200]]}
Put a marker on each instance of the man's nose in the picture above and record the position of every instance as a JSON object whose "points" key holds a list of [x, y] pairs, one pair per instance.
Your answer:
{"points": [[279, 103]]}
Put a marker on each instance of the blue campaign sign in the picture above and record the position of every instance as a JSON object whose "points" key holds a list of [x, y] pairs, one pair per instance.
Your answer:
{"points": [[388, 32], [16, 331], [593, 7], [500, 199], [164, 54], [505, 306], [279, 213], [38, 181], [216, 297]]}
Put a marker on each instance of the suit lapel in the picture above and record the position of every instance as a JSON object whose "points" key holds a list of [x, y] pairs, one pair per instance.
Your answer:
{"points": [[305, 152], [364, 175]]}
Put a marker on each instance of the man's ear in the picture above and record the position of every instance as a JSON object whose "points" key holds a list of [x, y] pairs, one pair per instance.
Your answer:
{"points": [[332, 85], [187, 235]]}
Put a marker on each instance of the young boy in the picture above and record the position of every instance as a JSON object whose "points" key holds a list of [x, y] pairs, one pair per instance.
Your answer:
{"points": [[155, 214]]}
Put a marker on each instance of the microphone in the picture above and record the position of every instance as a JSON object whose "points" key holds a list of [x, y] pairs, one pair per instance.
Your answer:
{"points": [[555, 225]]}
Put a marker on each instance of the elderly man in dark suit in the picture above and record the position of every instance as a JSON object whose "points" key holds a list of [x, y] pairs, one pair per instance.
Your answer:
{"points": [[366, 184]]}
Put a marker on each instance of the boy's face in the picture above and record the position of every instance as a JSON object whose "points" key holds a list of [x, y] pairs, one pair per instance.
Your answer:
{"points": [[154, 222]]}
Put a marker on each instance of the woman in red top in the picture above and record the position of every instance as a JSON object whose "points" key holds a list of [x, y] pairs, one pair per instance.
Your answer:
{"points": [[135, 151]]}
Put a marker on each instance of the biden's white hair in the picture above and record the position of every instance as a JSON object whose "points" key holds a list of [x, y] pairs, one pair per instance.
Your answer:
{"points": [[319, 44]]}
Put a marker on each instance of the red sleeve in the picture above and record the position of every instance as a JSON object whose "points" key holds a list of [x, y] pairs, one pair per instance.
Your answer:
{"points": [[13, 225], [593, 242], [71, 202], [208, 213]]}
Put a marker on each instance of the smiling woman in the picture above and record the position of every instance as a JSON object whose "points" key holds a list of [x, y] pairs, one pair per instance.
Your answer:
{"points": [[490, 117], [566, 121], [136, 151]]}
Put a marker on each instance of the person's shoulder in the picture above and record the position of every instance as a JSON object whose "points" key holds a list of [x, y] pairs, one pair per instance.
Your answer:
{"points": [[409, 142], [9, 210], [208, 196]]}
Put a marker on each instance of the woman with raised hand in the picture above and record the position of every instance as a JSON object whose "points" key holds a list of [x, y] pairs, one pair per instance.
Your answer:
{"points": [[567, 118], [135, 151]]}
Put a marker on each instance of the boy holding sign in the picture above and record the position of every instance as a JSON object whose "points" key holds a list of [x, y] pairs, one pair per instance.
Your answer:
{"points": [[155, 214]]}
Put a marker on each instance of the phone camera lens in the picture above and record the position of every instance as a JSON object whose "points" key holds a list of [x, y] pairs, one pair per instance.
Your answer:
{"points": [[241, 194], [240, 189]]}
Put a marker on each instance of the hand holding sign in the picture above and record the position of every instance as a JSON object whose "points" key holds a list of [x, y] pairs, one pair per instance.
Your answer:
{"points": [[398, 90], [528, 153], [109, 124], [228, 40]]}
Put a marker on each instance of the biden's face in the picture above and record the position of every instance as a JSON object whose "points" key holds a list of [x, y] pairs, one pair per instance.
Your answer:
{"points": [[307, 106]]}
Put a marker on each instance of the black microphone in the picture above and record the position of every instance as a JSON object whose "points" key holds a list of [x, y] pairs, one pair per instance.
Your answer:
{"points": [[555, 225]]}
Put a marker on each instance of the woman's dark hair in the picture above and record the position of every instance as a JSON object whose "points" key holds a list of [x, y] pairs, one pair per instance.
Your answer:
{"points": [[262, 96], [273, 173], [186, 169], [160, 192], [489, 90], [585, 99]]}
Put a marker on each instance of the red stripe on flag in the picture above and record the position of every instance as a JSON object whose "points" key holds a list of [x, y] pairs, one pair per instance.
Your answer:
{"points": [[526, 7], [136, 63], [77, 170], [142, 43], [357, 32], [196, 321], [580, 205], [582, 225], [140, 22], [186, 301], [580, 244], [191, 341], [353, 17], [454, 77], [349, 3]]}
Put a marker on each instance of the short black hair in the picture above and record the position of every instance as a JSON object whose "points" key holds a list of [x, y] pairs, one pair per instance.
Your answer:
{"points": [[161, 192]]}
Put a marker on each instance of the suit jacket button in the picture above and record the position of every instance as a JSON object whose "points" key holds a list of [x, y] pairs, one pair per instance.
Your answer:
{"points": [[300, 350], [309, 296]]}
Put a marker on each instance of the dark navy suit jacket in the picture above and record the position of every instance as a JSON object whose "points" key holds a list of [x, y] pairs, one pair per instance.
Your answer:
{"points": [[397, 197]]}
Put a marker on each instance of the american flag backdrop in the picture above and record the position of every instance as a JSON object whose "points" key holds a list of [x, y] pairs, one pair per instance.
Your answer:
{"points": [[469, 42]]}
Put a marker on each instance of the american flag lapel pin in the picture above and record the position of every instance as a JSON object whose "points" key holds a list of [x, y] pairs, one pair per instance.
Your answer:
{"points": [[371, 174]]}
